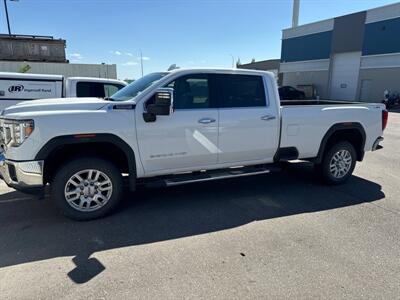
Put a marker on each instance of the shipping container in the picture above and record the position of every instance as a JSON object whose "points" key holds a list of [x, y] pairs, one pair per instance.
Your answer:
{"points": [[32, 48]]}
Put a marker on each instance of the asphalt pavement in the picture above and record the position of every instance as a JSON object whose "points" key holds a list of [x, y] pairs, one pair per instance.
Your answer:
{"points": [[274, 236]]}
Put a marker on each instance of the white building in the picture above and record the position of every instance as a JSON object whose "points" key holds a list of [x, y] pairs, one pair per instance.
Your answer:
{"points": [[45, 55], [351, 57], [65, 69]]}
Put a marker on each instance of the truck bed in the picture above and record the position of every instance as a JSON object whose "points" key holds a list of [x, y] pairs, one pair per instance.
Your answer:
{"points": [[318, 102], [305, 122]]}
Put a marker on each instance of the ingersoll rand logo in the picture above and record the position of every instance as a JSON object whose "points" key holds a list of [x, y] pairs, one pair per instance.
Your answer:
{"points": [[16, 88]]}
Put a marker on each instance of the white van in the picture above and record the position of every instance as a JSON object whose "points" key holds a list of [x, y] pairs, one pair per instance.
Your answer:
{"points": [[17, 87]]}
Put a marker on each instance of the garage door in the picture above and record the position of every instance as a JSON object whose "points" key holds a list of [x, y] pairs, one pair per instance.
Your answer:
{"points": [[344, 80]]}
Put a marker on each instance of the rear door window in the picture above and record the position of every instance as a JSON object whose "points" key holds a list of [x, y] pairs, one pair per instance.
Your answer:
{"points": [[111, 88], [96, 89], [90, 89], [240, 90]]}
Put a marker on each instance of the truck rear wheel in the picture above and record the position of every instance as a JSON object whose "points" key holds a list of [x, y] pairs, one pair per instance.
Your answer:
{"points": [[87, 188], [338, 163]]}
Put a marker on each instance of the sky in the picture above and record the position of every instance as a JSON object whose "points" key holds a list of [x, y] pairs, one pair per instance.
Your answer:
{"points": [[188, 33]]}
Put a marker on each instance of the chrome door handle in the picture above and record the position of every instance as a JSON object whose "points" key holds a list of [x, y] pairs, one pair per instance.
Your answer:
{"points": [[206, 120], [268, 118]]}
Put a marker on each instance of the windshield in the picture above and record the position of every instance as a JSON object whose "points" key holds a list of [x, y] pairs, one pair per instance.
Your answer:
{"points": [[136, 87]]}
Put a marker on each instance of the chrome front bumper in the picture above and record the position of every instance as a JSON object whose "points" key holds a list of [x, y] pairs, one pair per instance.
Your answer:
{"points": [[22, 174]]}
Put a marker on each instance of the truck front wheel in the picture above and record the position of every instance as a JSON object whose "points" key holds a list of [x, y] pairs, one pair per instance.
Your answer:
{"points": [[87, 188], [338, 163]]}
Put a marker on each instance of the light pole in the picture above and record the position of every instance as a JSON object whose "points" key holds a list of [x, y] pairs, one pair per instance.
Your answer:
{"points": [[8, 21], [295, 16], [141, 61], [233, 61]]}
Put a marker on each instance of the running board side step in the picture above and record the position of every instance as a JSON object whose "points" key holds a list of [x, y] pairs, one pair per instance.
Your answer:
{"points": [[173, 182], [203, 176]]}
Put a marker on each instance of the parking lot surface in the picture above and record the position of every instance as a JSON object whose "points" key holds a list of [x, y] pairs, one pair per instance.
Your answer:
{"points": [[280, 235]]}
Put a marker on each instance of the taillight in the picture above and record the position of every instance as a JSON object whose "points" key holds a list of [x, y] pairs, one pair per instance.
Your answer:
{"points": [[385, 116]]}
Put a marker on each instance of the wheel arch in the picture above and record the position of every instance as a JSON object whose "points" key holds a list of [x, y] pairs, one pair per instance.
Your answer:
{"points": [[105, 145], [353, 132]]}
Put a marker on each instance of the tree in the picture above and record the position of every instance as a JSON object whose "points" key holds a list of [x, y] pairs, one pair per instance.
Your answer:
{"points": [[238, 63], [253, 60], [24, 69], [172, 67]]}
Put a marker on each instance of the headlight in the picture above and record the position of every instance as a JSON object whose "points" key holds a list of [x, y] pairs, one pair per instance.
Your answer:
{"points": [[15, 132]]}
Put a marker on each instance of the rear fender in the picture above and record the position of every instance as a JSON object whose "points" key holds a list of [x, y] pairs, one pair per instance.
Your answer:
{"points": [[338, 129]]}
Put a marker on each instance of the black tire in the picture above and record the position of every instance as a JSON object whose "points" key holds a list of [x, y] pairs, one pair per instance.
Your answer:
{"points": [[72, 167], [324, 168]]}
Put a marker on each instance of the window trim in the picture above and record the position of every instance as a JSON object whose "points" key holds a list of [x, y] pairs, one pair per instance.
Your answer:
{"points": [[266, 91], [214, 93]]}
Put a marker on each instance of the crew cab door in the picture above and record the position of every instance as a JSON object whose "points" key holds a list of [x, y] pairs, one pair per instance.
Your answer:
{"points": [[248, 121], [186, 139]]}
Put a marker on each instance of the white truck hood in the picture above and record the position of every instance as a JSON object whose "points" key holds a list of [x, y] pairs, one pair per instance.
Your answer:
{"points": [[59, 104]]}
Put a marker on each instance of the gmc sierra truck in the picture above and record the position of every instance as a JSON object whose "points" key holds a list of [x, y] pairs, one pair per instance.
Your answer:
{"points": [[174, 128]]}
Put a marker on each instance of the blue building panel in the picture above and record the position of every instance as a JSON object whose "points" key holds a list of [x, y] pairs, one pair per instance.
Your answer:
{"points": [[382, 37], [307, 47]]}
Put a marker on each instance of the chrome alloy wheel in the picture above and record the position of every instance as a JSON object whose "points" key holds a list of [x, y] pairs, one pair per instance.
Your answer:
{"points": [[340, 163], [88, 190]]}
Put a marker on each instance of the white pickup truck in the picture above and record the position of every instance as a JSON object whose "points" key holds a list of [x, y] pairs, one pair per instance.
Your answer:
{"points": [[174, 128], [17, 87]]}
